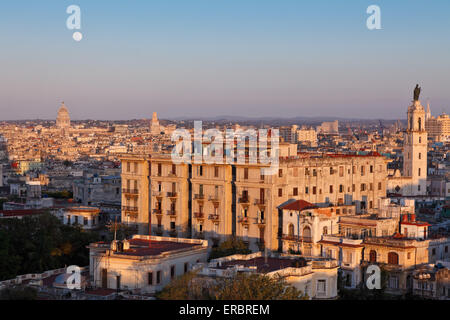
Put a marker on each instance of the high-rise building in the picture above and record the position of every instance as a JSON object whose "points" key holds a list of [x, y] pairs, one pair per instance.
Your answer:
{"points": [[438, 128], [214, 201]]}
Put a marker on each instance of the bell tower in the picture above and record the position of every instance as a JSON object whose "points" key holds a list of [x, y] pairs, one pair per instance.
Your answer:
{"points": [[415, 148]]}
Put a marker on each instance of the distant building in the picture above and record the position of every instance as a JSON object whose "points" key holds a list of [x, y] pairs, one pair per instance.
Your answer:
{"points": [[63, 118], [155, 127], [329, 127], [86, 217]]}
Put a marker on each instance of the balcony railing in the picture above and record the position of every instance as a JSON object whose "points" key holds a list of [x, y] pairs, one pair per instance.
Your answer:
{"points": [[291, 237], [129, 209], [172, 194], [260, 202], [199, 197], [243, 220], [157, 211], [214, 198], [214, 217], [199, 215], [157, 193], [130, 191], [171, 212], [244, 200]]}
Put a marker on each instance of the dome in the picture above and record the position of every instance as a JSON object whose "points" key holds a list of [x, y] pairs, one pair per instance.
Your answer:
{"points": [[63, 118]]}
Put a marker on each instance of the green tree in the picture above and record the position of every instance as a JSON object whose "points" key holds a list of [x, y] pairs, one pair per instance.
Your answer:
{"points": [[256, 287], [238, 287], [229, 247]]}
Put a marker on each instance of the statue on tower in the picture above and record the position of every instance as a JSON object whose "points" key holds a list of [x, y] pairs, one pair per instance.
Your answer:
{"points": [[417, 92]]}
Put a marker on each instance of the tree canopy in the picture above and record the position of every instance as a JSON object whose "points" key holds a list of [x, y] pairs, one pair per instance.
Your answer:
{"points": [[40, 243]]}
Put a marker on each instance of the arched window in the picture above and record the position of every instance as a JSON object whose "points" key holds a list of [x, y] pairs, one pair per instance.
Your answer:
{"points": [[411, 123], [420, 124], [373, 256], [392, 258], [291, 230], [306, 232], [325, 230]]}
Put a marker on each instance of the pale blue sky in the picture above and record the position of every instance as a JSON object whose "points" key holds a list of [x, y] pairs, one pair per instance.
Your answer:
{"points": [[188, 58]]}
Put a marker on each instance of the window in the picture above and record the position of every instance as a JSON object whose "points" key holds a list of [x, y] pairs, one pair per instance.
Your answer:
{"points": [[371, 186], [291, 230], [363, 187], [420, 156], [200, 171], [280, 173], [85, 221], [159, 169], [150, 278], [331, 189], [419, 172], [393, 258], [174, 169], [136, 165], [373, 256], [379, 185], [393, 282], [331, 171], [341, 188], [158, 277], [321, 287], [172, 272], [280, 192], [409, 255], [314, 173], [186, 267], [216, 172], [128, 167], [446, 249], [433, 251], [306, 190], [341, 171], [371, 169], [325, 230], [245, 173], [314, 190], [353, 187], [295, 192]]}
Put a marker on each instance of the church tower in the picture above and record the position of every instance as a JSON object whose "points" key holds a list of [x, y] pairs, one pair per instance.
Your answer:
{"points": [[415, 148]]}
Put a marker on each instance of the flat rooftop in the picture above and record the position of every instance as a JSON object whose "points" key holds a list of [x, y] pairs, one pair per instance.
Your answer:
{"points": [[263, 266]]}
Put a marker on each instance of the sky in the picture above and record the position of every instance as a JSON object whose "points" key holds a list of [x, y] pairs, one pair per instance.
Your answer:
{"points": [[206, 58]]}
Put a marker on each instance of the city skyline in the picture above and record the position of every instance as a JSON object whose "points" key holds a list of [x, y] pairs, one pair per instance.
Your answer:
{"points": [[202, 59]]}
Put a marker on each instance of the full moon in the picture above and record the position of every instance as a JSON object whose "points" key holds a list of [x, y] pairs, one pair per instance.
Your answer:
{"points": [[77, 36]]}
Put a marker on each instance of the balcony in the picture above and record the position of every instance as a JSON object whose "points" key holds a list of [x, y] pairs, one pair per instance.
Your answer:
{"points": [[214, 199], [290, 237], [214, 217], [199, 215], [172, 174], [172, 194], [130, 191], [199, 197], [173, 233], [172, 213], [260, 202], [243, 220], [244, 200], [129, 209], [158, 212], [157, 194]]}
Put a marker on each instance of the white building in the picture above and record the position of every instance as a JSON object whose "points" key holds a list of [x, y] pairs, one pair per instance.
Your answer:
{"points": [[143, 264], [316, 277]]}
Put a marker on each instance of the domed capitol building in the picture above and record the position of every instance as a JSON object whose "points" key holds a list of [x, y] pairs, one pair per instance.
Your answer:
{"points": [[63, 118]]}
